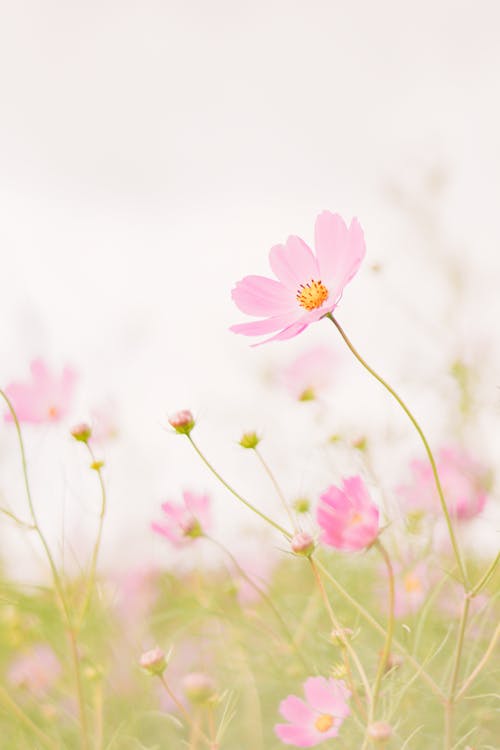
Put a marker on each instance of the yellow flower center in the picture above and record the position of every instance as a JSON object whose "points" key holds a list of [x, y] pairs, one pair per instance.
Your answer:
{"points": [[324, 722], [356, 518], [53, 412], [412, 583], [311, 296]]}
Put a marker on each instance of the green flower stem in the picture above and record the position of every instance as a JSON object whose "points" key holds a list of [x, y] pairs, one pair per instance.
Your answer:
{"points": [[390, 627], [267, 599], [13, 517], [450, 703], [489, 651], [235, 494], [336, 624], [484, 580], [95, 553], [276, 486], [57, 580], [377, 626], [454, 543]]}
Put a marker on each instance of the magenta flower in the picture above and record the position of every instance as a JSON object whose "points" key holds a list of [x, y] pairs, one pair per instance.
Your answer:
{"points": [[462, 480], [308, 285], [45, 398], [319, 717], [310, 373], [186, 522], [348, 517]]}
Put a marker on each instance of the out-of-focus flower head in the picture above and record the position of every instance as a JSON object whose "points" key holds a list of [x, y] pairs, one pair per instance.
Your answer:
{"points": [[347, 516], [184, 522], [35, 671], [154, 661], [412, 584], [319, 717], [45, 397], [308, 286], [462, 479], [311, 373], [199, 687]]}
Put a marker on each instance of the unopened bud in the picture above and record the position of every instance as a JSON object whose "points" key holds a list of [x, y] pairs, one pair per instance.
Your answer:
{"points": [[302, 544], [182, 422], [380, 731], [82, 432], [307, 395], [339, 636], [302, 505], [199, 687], [361, 443], [191, 527], [249, 440], [154, 662]]}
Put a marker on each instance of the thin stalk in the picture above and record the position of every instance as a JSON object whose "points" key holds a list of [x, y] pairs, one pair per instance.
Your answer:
{"points": [[390, 627], [470, 679], [13, 517], [182, 709], [377, 626], [484, 580], [25, 719], [236, 494], [450, 703], [277, 487], [385, 384]]}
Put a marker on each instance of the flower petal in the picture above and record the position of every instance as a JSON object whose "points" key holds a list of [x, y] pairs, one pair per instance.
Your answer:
{"points": [[294, 709], [340, 250], [293, 263], [258, 295], [268, 325], [298, 736]]}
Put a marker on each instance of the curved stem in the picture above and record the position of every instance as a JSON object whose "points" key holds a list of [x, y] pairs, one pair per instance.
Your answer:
{"points": [[454, 543], [484, 580], [489, 651], [17, 520], [390, 626], [276, 486], [236, 494]]}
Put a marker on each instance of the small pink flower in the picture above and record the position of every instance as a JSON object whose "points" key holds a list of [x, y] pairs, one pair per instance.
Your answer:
{"points": [[348, 517], [185, 522], [310, 373], [319, 717], [45, 398], [411, 588], [308, 285], [36, 671], [462, 480]]}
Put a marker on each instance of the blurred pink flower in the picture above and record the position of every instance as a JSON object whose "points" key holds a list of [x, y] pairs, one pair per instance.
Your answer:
{"points": [[137, 592], [411, 587], [185, 522], [308, 286], [310, 373], [348, 517], [462, 480], [259, 568], [319, 717], [104, 423], [35, 671], [45, 398]]}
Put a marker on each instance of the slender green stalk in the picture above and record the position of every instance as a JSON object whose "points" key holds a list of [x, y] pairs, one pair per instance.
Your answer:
{"points": [[25, 719], [450, 703], [13, 517], [489, 651], [484, 580], [430, 455], [277, 487], [390, 627], [235, 494]]}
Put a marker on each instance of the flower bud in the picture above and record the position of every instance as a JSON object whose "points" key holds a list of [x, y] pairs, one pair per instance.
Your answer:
{"points": [[191, 527], [360, 443], [307, 395], [249, 440], [182, 422], [302, 505], [339, 636], [154, 662], [199, 687], [380, 731], [302, 544], [82, 432]]}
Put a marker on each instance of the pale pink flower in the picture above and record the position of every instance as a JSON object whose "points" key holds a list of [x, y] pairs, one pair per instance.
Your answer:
{"points": [[348, 516], [35, 671], [310, 373], [185, 522], [411, 587], [308, 287], [259, 568], [319, 717], [462, 480], [45, 397]]}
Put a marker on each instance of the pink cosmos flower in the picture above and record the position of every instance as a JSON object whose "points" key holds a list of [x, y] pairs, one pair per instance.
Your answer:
{"points": [[35, 671], [348, 516], [411, 588], [45, 398], [310, 373], [185, 522], [308, 285], [319, 717], [462, 480]]}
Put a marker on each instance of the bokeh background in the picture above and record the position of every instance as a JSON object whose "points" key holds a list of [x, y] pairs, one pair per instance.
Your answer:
{"points": [[150, 155]]}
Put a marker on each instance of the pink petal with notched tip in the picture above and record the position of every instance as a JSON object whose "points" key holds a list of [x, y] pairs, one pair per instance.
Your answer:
{"points": [[340, 251], [293, 263], [268, 325]]}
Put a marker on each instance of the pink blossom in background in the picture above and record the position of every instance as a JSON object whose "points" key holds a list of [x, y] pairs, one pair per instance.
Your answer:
{"points": [[347, 516], [259, 568], [104, 422], [319, 717], [184, 522], [35, 671], [136, 594], [462, 480], [412, 585], [311, 373], [45, 397], [308, 286]]}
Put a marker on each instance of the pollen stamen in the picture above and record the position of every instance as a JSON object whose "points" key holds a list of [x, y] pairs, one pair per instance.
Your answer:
{"points": [[312, 295], [324, 722]]}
